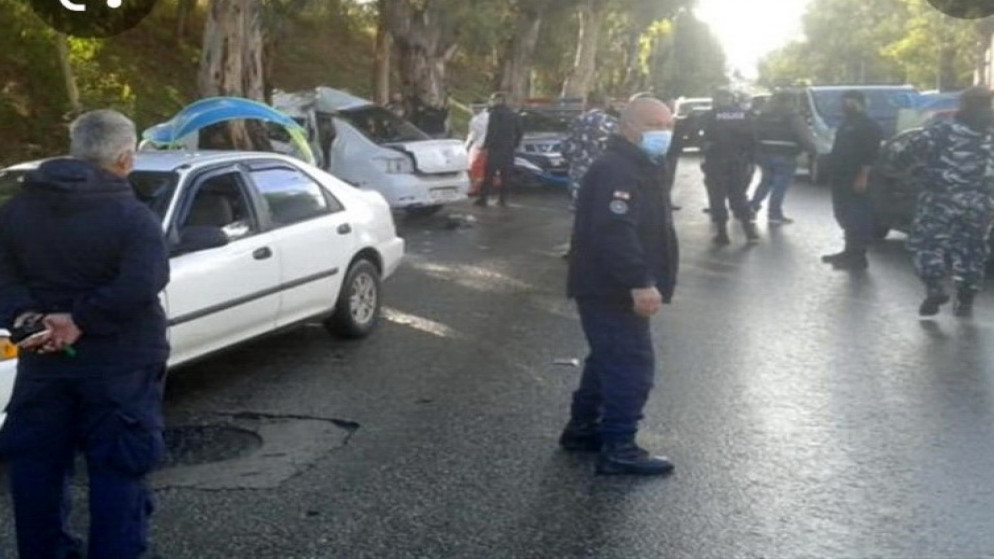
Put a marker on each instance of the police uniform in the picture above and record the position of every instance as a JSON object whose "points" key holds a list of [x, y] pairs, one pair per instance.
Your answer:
{"points": [[623, 238], [729, 152], [76, 240], [955, 208]]}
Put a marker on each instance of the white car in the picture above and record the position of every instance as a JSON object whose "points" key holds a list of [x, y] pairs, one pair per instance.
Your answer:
{"points": [[259, 242]]}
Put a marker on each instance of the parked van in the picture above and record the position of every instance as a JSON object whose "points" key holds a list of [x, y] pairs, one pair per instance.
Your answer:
{"points": [[368, 146], [822, 107]]}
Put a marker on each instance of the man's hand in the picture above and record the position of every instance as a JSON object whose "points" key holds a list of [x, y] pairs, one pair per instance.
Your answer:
{"points": [[61, 333], [647, 301], [862, 182]]}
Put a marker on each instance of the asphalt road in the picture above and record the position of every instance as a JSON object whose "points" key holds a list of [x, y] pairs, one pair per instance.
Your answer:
{"points": [[810, 412]]}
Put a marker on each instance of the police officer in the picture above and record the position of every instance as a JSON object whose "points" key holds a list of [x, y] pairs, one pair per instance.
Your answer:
{"points": [[955, 208], [729, 152], [857, 142], [622, 270], [80, 255], [782, 135]]}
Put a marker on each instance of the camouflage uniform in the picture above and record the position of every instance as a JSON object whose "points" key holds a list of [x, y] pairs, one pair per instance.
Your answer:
{"points": [[956, 206], [587, 140]]}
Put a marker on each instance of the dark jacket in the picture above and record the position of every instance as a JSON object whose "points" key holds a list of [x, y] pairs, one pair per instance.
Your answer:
{"points": [[729, 133], [783, 132], [504, 131], [857, 143], [77, 240], [623, 235]]}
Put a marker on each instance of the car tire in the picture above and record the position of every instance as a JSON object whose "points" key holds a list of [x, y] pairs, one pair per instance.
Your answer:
{"points": [[424, 211], [357, 311]]}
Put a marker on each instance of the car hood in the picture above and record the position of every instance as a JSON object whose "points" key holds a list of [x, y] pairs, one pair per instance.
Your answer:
{"points": [[543, 136], [436, 156]]}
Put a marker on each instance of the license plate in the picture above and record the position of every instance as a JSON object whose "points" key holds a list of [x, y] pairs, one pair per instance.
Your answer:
{"points": [[443, 193]]}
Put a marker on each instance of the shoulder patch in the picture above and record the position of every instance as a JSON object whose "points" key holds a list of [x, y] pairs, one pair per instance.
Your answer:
{"points": [[622, 195], [619, 207]]}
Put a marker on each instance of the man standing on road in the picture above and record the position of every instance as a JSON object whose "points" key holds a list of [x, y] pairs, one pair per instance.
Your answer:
{"points": [[587, 139], [857, 142], [504, 133], [956, 206], [83, 259], [729, 151], [622, 271], [782, 135]]}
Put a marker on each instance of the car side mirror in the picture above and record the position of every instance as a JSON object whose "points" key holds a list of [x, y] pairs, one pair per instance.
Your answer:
{"points": [[195, 238]]}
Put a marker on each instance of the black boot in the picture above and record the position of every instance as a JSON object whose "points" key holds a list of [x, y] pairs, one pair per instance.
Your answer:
{"points": [[935, 297], [580, 436], [721, 234], [628, 459], [833, 258], [751, 233], [963, 306], [853, 260], [481, 201]]}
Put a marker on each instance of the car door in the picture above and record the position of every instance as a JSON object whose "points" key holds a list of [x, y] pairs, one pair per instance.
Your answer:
{"points": [[311, 232], [220, 296]]}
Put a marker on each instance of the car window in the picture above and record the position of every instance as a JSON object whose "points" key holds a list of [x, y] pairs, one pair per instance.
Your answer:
{"points": [[882, 104], [382, 126], [220, 201], [292, 196]]}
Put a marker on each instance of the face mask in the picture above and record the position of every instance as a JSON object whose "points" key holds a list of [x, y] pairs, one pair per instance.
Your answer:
{"points": [[656, 143]]}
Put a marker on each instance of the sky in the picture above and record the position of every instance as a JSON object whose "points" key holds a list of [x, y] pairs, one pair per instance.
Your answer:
{"points": [[750, 29]]}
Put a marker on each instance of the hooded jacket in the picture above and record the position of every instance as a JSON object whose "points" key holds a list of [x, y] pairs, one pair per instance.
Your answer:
{"points": [[76, 240]]}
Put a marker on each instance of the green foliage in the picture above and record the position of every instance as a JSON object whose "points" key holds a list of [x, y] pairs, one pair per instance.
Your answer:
{"points": [[883, 41], [688, 60]]}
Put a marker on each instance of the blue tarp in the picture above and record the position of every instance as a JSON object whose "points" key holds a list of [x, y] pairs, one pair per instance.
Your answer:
{"points": [[214, 110]]}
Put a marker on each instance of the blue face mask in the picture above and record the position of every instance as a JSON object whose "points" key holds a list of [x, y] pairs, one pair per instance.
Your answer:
{"points": [[656, 143]]}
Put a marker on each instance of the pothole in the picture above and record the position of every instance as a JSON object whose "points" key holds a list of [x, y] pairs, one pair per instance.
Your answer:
{"points": [[204, 444]]}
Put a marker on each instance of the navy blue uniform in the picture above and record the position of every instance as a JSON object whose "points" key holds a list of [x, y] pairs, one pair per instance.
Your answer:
{"points": [[729, 154], [623, 239], [857, 142], [77, 241]]}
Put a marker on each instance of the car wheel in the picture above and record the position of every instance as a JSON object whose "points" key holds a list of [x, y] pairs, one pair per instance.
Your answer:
{"points": [[424, 211], [358, 309]]}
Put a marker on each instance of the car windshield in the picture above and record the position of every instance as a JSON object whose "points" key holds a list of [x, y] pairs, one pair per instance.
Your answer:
{"points": [[547, 121], [687, 107], [882, 104], [382, 126], [154, 188]]}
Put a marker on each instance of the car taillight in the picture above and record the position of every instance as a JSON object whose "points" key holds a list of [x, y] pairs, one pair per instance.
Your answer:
{"points": [[8, 350]]}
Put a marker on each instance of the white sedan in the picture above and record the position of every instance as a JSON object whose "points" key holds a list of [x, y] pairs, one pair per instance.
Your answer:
{"points": [[259, 242]]}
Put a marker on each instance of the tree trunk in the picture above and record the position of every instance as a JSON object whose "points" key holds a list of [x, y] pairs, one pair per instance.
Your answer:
{"points": [[381, 68], [72, 91], [584, 65], [184, 13], [231, 61], [424, 37], [515, 75]]}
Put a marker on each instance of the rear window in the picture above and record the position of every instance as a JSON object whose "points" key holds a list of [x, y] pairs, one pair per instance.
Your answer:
{"points": [[155, 189], [382, 126], [882, 105]]}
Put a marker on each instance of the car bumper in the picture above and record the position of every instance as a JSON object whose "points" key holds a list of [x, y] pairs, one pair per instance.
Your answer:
{"points": [[391, 252], [414, 191]]}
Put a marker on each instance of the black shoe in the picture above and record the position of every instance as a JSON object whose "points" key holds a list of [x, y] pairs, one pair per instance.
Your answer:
{"points": [[502, 202], [930, 306], [751, 233], [852, 261], [963, 305], [481, 201], [782, 220], [833, 258], [721, 235], [629, 459], [580, 437]]}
